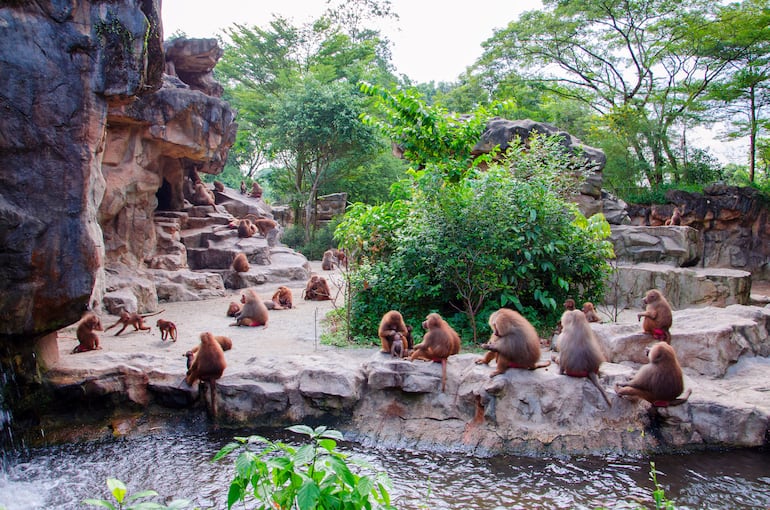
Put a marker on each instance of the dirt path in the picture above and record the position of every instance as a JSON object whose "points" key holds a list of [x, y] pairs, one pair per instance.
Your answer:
{"points": [[289, 332]]}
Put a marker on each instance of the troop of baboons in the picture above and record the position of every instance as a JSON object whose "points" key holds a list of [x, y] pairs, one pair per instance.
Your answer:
{"points": [[514, 342]]}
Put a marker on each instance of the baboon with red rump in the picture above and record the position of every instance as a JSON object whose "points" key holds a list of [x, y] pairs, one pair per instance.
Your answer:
{"points": [[88, 340], [439, 342], [392, 324], [208, 365], [659, 382], [167, 329], [657, 316], [579, 351], [514, 343], [133, 319]]}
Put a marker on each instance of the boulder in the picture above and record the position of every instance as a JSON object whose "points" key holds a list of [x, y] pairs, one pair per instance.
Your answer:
{"points": [[677, 246]]}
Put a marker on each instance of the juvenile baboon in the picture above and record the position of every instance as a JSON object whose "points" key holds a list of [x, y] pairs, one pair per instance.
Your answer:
{"points": [[253, 312], [219, 186], [246, 228], [88, 340], [133, 319], [167, 329], [660, 381], [657, 316], [241, 263], [676, 218], [514, 343], [243, 188], [282, 298], [233, 309], [579, 351], [439, 342], [265, 225], [590, 311]]}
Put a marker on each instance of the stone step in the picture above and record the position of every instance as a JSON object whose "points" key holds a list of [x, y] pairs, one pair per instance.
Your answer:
{"points": [[683, 287]]}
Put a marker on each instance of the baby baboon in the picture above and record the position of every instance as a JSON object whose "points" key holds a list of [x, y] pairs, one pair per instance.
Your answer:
{"points": [[233, 309], [391, 324]]}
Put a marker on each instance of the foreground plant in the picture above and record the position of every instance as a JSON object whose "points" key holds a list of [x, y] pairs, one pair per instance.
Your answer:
{"points": [[125, 502], [313, 476]]}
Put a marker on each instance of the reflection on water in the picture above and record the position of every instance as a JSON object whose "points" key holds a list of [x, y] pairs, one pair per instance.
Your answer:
{"points": [[178, 465]]}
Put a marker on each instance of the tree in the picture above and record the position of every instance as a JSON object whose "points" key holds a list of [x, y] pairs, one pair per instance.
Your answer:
{"points": [[316, 133], [632, 62], [742, 38]]}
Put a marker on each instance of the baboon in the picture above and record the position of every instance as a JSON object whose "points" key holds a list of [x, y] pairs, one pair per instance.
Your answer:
{"points": [[167, 329], [282, 298], [569, 305], [391, 324], [219, 186], [265, 225], [208, 365], [332, 257], [241, 263], [203, 196], [579, 351], [317, 289], [256, 190], [590, 311], [397, 346], [233, 309], [676, 218], [224, 341], [246, 228], [514, 343], [660, 381], [243, 188], [133, 319], [88, 340], [253, 312], [439, 342], [657, 316]]}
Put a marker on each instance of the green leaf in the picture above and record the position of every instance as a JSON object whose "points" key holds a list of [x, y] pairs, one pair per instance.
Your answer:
{"points": [[117, 489], [307, 495], [99, 502]]}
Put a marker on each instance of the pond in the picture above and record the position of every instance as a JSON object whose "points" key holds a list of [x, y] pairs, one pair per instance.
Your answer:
{"points": [[177, 464]]}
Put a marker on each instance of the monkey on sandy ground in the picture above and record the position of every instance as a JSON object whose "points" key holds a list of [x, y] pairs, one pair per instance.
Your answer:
{"points": [[657, 316], [514, 343], [590, 311], [224, 341], [219, 186], [579, 351], [660, 381], [208, 365], [233, 309], [241, 263], [392, 324], [439, 342], [317, 289], [253, 312], [332, 257], [88, 340], [133, 319], [281, 300], [167, 329], [675, 219]]}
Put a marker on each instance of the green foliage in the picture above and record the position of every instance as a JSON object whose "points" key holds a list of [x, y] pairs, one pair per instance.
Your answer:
{"points": [[119, 491], [659, 495], [313, 476], [371, 230], [294, 237]]}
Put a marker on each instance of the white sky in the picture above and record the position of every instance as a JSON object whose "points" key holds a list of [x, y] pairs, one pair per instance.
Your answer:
{"points": [[432, 40]]}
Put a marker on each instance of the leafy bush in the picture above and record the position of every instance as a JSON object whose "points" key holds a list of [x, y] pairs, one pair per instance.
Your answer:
{"points": [[125, 502], [280, 476]]}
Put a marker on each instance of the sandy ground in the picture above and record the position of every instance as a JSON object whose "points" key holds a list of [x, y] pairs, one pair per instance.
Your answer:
{"points": [[288, 332]]}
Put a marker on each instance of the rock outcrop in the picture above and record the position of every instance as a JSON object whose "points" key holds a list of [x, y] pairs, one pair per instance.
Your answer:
{"points": [[733, 222], [380, 400], [64, 64]]}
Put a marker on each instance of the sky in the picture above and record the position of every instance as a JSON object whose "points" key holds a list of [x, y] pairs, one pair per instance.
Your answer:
{"points": [[432, 40]]}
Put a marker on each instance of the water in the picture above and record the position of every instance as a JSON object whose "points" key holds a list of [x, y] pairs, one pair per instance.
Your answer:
{"points": [[177, 464]]}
